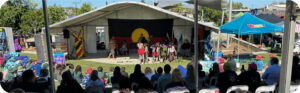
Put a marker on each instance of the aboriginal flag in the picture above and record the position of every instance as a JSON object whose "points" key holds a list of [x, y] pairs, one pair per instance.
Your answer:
{"points": [[131, 29]]}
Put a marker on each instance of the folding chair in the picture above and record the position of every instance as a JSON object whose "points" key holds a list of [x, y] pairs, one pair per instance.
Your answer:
{"points": [[214, 90], [240, 87], [266, 88]]}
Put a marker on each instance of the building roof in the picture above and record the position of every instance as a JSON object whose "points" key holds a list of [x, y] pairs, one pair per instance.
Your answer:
{"points": [[106, 10]]}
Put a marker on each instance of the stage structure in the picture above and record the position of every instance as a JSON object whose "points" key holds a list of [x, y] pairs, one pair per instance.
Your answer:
{"points": [[127, 21]]}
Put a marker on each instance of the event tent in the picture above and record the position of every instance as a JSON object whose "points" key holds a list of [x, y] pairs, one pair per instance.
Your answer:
{"points": [[248, 24], [271, 18]]}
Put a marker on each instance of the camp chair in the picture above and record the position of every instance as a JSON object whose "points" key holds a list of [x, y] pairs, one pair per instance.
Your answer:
{"points": [[294, 88], [235, 88], [180, 91], [94, 89], [266, 88], [213, 90], [2, 90]]}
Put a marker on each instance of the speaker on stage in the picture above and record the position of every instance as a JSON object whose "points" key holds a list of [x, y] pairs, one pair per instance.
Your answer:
{"points": [[66, 33]]}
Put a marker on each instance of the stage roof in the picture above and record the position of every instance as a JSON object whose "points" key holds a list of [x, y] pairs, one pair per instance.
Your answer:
{"points": [[106, 10]]}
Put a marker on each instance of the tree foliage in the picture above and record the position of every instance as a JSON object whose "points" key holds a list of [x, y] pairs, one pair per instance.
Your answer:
{"points": [[56, 14], [86, 7], [210, 15]]}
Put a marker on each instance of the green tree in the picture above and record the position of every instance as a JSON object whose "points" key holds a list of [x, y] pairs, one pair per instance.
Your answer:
{"points": [[56, 14], [211, 15], [86, 7], [143, 1], [32, 21]]}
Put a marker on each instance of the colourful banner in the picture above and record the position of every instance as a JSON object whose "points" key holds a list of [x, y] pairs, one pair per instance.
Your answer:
{"points": [[59, 58], [206, 65]]}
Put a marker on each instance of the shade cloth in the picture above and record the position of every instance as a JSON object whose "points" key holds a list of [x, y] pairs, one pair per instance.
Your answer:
{"points": [[248, 24]]}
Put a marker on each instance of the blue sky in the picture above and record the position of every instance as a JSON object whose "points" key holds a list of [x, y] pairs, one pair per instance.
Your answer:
{"points": [[100, 3]]}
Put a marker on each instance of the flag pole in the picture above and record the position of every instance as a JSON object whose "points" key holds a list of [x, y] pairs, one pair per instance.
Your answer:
{"points": [[49, 49], [196, 42]]}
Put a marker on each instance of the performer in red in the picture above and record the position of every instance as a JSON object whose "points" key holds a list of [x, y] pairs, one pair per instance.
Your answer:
{"points": [[153, 47], [141, 51]]}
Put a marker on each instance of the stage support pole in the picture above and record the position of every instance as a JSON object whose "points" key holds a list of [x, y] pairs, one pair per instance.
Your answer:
{"points": [[229, 20], [49, 49], [196, 42], [287, 48], [219, 34]]}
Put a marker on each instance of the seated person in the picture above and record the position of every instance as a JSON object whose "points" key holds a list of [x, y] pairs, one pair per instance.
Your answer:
{"points": [[272, 73]]}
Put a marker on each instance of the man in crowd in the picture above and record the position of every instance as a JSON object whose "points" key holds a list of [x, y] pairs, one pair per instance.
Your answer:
{"points": [[272, 73], [164, 79]]}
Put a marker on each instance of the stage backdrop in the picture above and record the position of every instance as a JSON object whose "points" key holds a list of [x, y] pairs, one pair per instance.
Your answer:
{"points": [[130, 30]]}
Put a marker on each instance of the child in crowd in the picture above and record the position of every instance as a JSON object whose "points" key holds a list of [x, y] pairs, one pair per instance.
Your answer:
{"points": [[110, 75], [259, 63], [71, 68], [86, 77], [78, 74]]}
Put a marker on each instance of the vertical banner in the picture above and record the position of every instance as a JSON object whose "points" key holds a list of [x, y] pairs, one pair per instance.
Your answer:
{"points": [[59, 58], [41, 47]]}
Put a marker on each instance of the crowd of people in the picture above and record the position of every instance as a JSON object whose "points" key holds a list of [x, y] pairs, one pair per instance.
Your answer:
{"points": [[24, 75]]}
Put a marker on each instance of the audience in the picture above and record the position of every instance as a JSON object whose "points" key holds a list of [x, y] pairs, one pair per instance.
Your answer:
{"points": [[227, 78], [124, 85], [272, 73], [43, 80], [182, 70], [78, 74], [148, 73], [136, 76], [115, 80], [250, 77], [94, 84], [177, 83], [259, 63], [28, 83], [164, 79], [190, 79], [3, 84], [69, 84], [232, 62], [144, 86], [37, 67], [155, 77], [71, 69], [110, 75], [101, 74], [86, 77], [295, 69], [123, 72]]}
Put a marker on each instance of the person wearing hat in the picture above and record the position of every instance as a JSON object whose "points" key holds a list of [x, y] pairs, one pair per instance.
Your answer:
{"points": [[270, 57], [259, 63], [227, 78], [250, 77], [221, 63], [37, 67]]}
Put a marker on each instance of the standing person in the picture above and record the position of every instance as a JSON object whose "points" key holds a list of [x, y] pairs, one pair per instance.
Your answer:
{"points": [[158, 51], [142, 39], [78, 74], [164, 52], [186, 48], [164, 79], [272, 73], [259, 63], [136, 76], [112, 47], [123, 48], [141, 52], [94, 84], [148, 72], [146, 50], [176, 83], [69, 85], [154, 56], [171, 52], [232, 62], [123, 72]]}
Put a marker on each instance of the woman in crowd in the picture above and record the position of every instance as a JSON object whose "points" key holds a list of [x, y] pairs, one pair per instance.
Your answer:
{"points": [[250, 78], [148, 72], [136, 76], [190, 79], [94, 84], [176, 83], [68, 84], [213, 73], [78, 74], [115, 80], [227, 78]]}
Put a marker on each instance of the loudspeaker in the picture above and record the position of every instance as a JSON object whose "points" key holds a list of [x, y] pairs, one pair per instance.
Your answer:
{"points": [[66, 33]]}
